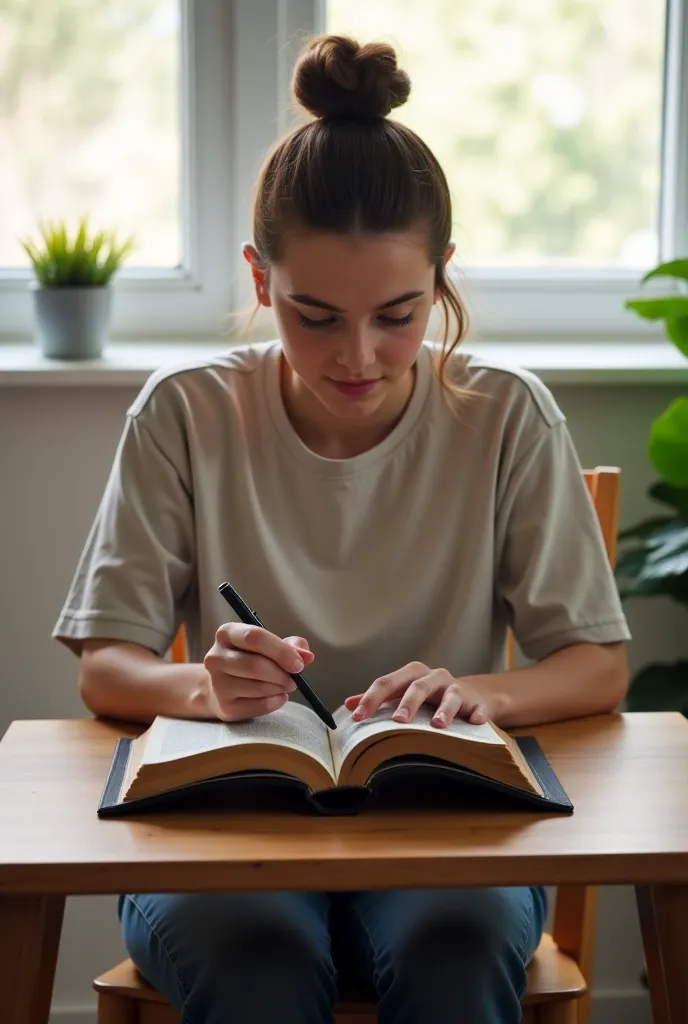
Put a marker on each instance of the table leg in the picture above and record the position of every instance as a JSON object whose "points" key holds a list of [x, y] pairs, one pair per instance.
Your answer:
{"points": [[30, 929], [663, 912]]}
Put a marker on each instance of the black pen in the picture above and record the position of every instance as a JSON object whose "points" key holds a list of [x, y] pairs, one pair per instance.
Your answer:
{"points": [[247, 615]]}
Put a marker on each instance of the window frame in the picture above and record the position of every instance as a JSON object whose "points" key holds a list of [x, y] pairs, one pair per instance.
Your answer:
{"points": [[235, 62], [587, 304], [226, 113]]}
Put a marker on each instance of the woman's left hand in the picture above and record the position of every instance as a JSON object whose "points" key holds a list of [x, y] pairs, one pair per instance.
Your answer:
{"points": [[415, 684]]}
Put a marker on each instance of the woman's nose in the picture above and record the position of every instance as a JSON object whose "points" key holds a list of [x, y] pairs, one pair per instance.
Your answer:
{"points": [[357, 352]]}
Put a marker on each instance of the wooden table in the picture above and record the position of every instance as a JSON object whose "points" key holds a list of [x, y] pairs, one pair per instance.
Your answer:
{"points": [[626, 774]]}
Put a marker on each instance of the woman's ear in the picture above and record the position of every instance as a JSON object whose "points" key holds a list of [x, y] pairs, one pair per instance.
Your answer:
{"points": [[450, 250], [258, 273]]}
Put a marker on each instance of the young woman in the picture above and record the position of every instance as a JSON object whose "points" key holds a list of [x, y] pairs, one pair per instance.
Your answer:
{"points": [[390, 509]]}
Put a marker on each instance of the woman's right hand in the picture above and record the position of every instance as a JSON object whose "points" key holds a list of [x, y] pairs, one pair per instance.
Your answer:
{"points": [[248, 671]]}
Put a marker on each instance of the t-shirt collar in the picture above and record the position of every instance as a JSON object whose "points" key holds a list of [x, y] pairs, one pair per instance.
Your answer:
{"points": [[358, 463]]}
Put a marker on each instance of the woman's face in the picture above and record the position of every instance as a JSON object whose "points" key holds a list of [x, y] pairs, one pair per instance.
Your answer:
{"points": [[352, 313]]}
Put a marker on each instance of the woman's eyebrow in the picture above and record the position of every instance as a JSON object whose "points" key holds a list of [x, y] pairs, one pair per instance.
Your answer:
{"points": [[310, 300], [406, 297]]}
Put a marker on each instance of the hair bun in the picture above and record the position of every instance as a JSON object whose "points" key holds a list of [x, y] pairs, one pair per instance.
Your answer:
{"points": [[335, 77]]}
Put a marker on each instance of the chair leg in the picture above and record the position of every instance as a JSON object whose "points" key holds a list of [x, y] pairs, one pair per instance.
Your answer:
{"points": [[556, 1013], [114, 1009]]}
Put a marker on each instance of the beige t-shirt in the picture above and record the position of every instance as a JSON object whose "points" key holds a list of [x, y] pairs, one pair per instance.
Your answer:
{"points": [[423, 548]]}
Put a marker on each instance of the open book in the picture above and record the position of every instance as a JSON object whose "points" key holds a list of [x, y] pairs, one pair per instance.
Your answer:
{"points": [[335, 771]]}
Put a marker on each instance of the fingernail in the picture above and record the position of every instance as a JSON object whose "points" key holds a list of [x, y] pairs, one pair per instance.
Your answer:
{"points": [[441, 718], [359, 713], [402, 714], [297, 665]]}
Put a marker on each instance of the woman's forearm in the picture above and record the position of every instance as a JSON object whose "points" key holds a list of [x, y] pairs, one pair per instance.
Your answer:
{"points": [[583, 679], [122, 680]]}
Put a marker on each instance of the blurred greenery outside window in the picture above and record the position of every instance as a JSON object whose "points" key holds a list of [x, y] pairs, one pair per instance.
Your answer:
{"points": [[89, 121], [545, 114]]}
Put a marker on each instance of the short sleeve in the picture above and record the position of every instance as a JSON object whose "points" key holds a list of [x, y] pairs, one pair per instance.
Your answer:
{"points": [[553, 573], [136, 566]]}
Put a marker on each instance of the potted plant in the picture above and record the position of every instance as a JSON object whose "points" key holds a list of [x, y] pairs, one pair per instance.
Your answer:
{"points": [[654, 552], [72, 294]]}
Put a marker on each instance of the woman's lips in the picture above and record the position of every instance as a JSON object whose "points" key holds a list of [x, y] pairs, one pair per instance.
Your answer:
{"points": [[354, 387]]}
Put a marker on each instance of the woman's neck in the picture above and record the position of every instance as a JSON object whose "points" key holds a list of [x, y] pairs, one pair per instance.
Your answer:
{"points": [[329, 435]]}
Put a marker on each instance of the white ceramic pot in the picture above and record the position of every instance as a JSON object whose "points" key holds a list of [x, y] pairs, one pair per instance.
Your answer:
{"points": [[71, 323]]}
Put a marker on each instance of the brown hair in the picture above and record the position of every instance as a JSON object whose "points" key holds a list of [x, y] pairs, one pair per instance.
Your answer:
{"points": [[352, 170]]}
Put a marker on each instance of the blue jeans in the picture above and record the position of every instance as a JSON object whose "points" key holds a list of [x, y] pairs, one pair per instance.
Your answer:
{"points": [[433, 955]]}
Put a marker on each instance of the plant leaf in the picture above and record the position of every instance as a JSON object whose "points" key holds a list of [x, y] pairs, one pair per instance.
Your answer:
{"points": [[669, 537], [32, 252], [668, 445], [80, 261], [664, 531], [665, 551], [675, 587], [672, 268], [659, 308], [644, 529], [658, 564], [667, 556], [676, 328], [660, 687], [79, 246], [667, 494], [629, 564]]}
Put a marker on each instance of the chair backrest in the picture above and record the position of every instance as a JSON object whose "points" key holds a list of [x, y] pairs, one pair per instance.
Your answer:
{"points": [[574, 916], [604, 486], [179, 651]]}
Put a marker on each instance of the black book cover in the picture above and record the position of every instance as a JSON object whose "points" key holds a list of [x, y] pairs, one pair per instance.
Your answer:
{"points": [[418, 782]]}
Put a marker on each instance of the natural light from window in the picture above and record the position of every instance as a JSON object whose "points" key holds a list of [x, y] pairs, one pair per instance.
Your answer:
{"points": [[89, 122], [545, 114]]}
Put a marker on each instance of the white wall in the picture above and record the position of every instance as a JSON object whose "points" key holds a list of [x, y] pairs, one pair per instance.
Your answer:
{"points": [[56, 446]]}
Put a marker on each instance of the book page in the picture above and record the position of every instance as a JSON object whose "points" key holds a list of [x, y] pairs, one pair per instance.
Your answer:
{"points": [[350, 732], [293, 726]]}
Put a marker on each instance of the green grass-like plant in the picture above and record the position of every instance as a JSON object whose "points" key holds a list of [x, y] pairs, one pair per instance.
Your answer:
{"points": [[83, 260]]}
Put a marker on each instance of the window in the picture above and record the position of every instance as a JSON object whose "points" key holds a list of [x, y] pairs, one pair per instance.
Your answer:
{"points": [[562, 126], [545, 115], [89, 121], [125, 111]]}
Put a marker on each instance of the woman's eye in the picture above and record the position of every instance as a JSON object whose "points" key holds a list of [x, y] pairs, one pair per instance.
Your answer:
{"points": [[328, 321], [307, 321], [396, 321]]}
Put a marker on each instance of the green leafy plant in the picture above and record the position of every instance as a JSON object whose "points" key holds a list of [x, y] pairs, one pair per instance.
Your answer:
{"points": [[654, 553], [82, 261]]}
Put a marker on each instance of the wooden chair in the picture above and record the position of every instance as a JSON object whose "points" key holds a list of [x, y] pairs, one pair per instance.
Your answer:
{"points": [[560, 972]]}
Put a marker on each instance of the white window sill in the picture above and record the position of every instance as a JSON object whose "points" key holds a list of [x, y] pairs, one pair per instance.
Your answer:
{"points": [[129, 364]]}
